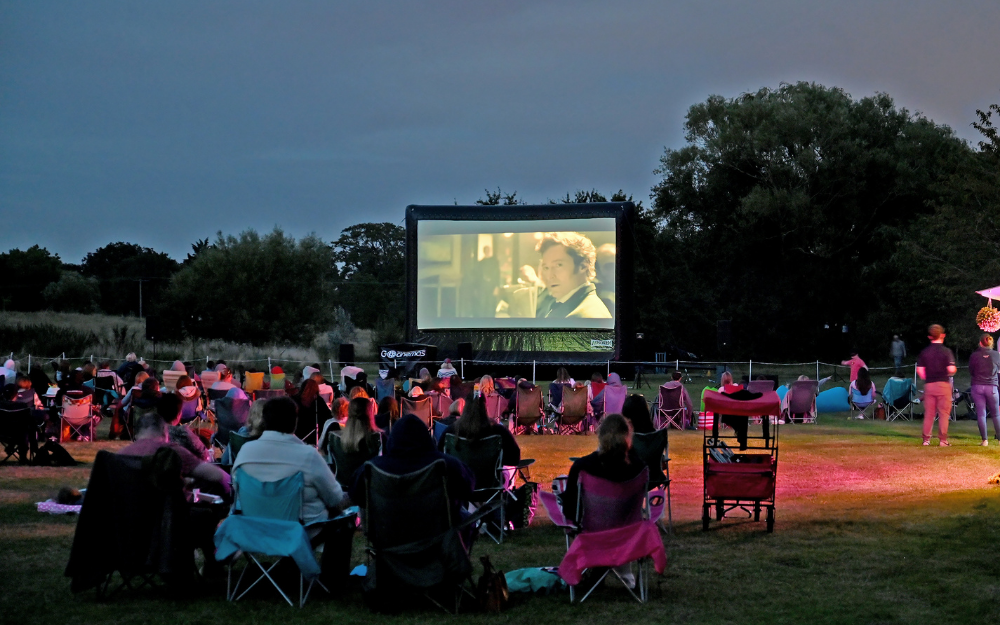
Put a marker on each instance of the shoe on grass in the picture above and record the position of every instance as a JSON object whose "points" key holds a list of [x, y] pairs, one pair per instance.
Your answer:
{"points": [[944, 444], [985, 443], [927, 443]]}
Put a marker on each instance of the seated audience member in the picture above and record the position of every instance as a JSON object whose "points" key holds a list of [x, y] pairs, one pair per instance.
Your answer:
{"points": [[410, 448], [738, 423], [388, 413], [149, 394], [89, 370], [475, 424], [337, 420], [151, 434], [75, 387], [134, 392], [39, 380], [416, 392], [312, 410], [252, 429], [454, 411], [227, 383], [862, 384], [178, 366], [104, 371], [486, 386], [675, 382], [278, 454], [360, 435], [356, 392], [60, 370], [187, 389], [636, 410], [424, 380], [447, 369], [25, 393], [614, 460], [169, 408], [129, 369], [21, 429]]}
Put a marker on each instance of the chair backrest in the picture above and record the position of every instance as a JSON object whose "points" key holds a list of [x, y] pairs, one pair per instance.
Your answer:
{"points": [[483, 456], [208, 378], [189, 408], [215, 394], [556, 393], [253, 381], [421, 407], [231, 414], [280, 500], [574, 403], [439, 429], [346, 462], [236, 442], [267, 393], [496, 405], [604, 504], [170, 378], [650, 448], [529, 404], [403, 509], [671, 399], [277, 380], [614, 398], [440, 402], [385, 388], [803, 396], [77, 410], [760, 386], [898, 392], [861, 398], [597, 387]]}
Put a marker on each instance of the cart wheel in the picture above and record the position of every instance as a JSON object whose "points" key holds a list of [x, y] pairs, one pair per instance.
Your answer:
{"points": [[770, 519], [756, 512], [704, 517]]}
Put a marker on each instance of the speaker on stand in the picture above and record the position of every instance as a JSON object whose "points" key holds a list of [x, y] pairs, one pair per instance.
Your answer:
{"points": [[346, 354]]}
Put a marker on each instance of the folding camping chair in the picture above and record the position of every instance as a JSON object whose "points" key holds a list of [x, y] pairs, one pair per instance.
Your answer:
{"points": [[440, 402], [170, 378], [801, 401], [230, 414], [654, 449], [760, 386], [898, 395], [614, 399], [276, 381], [208, 378], [556, 395], [191, 409], [267, 523], [408, 523], [608, 513], [485, 458], [77, 414], [862, 404], [253, 381], [496, 407], [345, 463], [670, 408], [528, 409], [385, 388], [420, 407], [18, 432], [572, 418], [105, 393], [236, 442]]}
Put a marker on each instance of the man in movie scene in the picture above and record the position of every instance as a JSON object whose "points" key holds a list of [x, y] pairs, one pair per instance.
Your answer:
{"points": [[567, 269]]}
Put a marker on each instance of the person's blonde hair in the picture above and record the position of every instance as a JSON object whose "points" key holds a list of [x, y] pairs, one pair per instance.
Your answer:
{"points": [[255, 420], [357, 391], [486, 386], [986, 341], [360, 423], [578, 247], [140, 377], [614, 435], [725, 378], [339, 408]]}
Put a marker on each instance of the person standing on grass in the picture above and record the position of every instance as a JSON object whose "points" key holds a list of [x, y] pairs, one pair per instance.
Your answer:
{"points": [[898, 352], [935, 366], [855, 363], [984, 363]]}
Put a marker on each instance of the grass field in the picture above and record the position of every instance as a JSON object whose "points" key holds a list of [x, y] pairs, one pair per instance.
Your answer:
{"points": [[871, 528]]}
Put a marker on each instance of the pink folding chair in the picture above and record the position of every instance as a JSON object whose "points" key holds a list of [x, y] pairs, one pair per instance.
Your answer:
{"points": [[670, 408], [614, 399], [496, 406], [611, 530], [420, 407], [528, 410], [574, 410], [77, 416]]}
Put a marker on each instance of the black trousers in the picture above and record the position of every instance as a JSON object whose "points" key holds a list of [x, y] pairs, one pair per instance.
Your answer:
{"points": [[740, 426]]}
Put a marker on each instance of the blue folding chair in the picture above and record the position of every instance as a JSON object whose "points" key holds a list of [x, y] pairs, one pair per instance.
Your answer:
{"points": [[899, 394], [267, 523]]}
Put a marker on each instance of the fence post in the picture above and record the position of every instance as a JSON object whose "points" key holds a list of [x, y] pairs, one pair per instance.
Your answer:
{"points": [[29, 363], [269, 365], [609, 367], [750, 375], [461, 363], [331, 369], [533, 362], [817, 370]]}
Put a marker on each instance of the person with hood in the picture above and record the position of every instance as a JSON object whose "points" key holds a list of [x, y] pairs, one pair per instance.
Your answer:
{"points": [[447, 369], [675, 382], [191, 396], [411, 448]]}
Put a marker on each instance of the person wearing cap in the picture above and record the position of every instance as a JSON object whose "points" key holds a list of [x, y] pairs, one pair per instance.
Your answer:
{"points": [[447, 369]]}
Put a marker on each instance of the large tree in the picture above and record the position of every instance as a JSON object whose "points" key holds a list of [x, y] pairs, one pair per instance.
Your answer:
{"points": [[26, 274], [371, 265], [125, 271], [788, 203], [255, 289]]}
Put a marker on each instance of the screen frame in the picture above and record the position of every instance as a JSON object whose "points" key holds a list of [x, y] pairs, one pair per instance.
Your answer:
{"points": [[622, 212]]}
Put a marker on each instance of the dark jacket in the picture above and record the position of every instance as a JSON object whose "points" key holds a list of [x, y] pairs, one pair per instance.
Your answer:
{"points": [[411, 448], [511, 450]]}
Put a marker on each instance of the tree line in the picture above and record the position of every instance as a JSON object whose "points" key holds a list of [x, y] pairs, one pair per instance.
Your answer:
{"points": [[813, 222]]}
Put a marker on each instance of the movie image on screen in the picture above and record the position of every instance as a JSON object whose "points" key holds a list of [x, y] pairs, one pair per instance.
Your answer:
{"points": [[552, 273]]}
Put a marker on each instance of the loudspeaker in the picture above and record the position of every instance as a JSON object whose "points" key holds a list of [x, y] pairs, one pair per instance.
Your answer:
{"points": [[465, 351], [346, 354], [724, 334], [154, 328]]}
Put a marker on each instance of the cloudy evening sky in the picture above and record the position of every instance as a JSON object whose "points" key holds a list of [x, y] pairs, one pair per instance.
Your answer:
{"points": [[160, 123]]}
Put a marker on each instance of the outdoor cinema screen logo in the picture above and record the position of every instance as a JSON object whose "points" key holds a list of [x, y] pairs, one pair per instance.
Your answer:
{"points": [[391, 353], [602, 344]]}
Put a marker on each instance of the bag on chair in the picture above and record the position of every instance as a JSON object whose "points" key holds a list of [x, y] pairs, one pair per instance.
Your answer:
{"points": [[492, 588]]}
